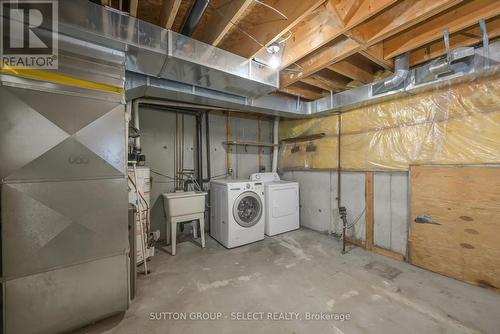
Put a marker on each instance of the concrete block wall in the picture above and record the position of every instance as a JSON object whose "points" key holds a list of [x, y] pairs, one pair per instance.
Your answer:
{"points": [[319, 209], [158, 138]]}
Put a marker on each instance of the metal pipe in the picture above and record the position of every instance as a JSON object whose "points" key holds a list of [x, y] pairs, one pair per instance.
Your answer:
{"points": [[486, 42], [207, 143], [401, 70], [135, 115], [194, 17], [276, 129], [199, 144]]}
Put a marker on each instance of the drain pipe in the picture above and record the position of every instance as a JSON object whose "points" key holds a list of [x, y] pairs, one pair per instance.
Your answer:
{"points": [[276, 129], [194, 17]]}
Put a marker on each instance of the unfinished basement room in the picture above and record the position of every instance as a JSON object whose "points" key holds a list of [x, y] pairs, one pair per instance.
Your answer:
{"points": [[250, 166]]}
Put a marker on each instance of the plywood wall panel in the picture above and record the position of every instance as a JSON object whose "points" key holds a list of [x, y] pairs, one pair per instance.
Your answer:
{"points": [[463, 241]]}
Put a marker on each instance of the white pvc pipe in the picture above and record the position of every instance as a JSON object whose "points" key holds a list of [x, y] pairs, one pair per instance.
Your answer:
{"points": [[144, 236], [275, 142]]}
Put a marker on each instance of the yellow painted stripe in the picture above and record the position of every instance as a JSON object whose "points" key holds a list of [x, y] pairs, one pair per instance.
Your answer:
{"points": [[61, 79]]}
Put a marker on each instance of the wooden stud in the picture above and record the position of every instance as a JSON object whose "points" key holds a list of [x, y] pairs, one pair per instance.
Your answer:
{"points": [[388, 253], [369, 214]]}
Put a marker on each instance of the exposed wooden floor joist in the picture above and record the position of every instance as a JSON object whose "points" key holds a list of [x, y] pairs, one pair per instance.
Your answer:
{"points": [[328, 43]]}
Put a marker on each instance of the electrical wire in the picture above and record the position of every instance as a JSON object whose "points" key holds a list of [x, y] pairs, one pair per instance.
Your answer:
{"points": [[357, 219], [219, 12], [195, 182], [272, 8], [283, 40], [140, 194]]}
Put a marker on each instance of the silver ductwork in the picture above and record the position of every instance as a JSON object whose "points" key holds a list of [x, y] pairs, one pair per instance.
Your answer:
{"points": [[401, 71], [156, 52], [419, 79], [165, 65]]}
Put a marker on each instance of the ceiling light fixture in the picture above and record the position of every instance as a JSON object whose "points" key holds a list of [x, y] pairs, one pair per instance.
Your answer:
{"points": [[274, 62], [274, 48]]}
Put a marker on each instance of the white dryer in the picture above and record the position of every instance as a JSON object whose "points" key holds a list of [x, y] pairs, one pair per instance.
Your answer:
{"points": [[282, 203], [237, 212]]}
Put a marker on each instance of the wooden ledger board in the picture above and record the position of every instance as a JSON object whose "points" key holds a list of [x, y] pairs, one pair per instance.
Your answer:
{"points": [[465, 202]]}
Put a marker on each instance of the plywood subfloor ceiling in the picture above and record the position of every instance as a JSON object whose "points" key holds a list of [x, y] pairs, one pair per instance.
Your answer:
{"points": [[330, 45]]}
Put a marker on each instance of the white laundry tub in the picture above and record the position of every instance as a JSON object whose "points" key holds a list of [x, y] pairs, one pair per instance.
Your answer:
{"points": [[184, 203]]}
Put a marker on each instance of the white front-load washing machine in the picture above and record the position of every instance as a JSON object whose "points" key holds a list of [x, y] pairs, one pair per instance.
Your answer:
{"points": [[281, 203], [237, 212]]}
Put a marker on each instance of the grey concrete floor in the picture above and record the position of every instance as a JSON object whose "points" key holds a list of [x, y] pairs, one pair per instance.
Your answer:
{"points": [[301, 272]]}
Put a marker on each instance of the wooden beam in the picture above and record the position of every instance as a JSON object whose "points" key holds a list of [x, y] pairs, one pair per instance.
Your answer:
{"points": [[169, 11], [467, 37], [376, 54], [326, 56], [354, 7], [266, 26], [369, 215], [328, 80], [399, 17], [317, 81], [303, 90], [454, 20], [354, 69], [324, 25], [133, 5], [319, 28], [220, 24]]}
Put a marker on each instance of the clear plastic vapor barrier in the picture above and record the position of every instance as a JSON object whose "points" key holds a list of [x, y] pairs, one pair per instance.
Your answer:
{"points": [[456, 125]]}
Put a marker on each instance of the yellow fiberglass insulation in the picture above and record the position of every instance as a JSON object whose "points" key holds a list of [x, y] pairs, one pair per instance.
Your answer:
{"points": [[459, 124]]}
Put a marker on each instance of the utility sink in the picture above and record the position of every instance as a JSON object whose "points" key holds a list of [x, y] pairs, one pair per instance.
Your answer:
{"points": [[184, 203]]}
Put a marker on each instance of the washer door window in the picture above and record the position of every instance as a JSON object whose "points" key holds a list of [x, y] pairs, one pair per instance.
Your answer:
{"points": [[247, 209]]}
